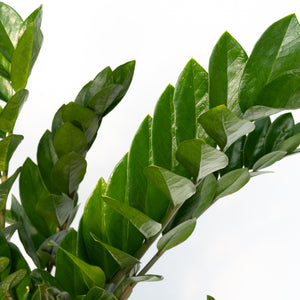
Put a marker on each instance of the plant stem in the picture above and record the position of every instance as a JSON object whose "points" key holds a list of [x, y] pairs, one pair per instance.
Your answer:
{"points": [[3, 211]]}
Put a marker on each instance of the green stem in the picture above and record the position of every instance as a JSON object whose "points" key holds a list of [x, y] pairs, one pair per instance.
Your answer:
{"points": [[3, 211]]}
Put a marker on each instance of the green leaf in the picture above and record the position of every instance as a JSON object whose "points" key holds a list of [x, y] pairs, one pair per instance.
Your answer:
{"points": [[12, 280], [69, 138], [225, 70], [70, 269], [11, 110], [232, 182], [163, 133], [200, 159], [94, 293], [210, 298], [92, 275], [224, 126], [11, 21], [82, 117], [5, 74], [40, 276], [11, 229], [109, 296], [142, 222], [5, 188], [176, 188], [275, 54], [33, 192], [81, 98], [190, 101], [25, 54], [281, 129], [268, 159], [255, 142], [289, 145], [8, 145], [257, 112], [4, 262], [122, 258], [6, 46], [177, 235], [68, 172], [47, 157], [5, 252]]}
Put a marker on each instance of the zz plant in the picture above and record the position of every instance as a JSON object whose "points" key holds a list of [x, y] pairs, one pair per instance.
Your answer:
{"points": [[208, 136]]}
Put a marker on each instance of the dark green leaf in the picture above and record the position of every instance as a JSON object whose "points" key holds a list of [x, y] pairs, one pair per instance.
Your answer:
{"points": [[40, 276], [289, 145], [68, 172], [33, 192], [5, 188], [255, 142], [190, 101], [275, 53], [225, 70], [122, 258], [268, 159], [232, 182], [5, 252], [177, 235], [69, 138], [109, 296], [142, 222], [5, 74], [176, 188], [281, 129], [11, 110], [200, 159], [11, 229], [224, 126], [4, 262], [6, 46]]}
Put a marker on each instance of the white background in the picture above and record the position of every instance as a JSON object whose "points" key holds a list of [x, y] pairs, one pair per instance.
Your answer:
{"points": [[247, 245]]}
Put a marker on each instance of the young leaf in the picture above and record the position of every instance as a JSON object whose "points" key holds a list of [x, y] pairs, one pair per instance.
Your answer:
{"points": [[200, 159], [190, 101], [224, 126], [268, 160], [177, 235], [281, 129], [176, 188], [142, 222], [275, 53], [122, 258], [225, 70], [255, 142], [68, 172], [11, 110], [232, 182]]}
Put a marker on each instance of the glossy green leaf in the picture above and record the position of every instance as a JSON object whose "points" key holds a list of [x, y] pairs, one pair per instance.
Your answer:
{"points": [[5, 252], [289, 145], [6, 186], [176, 188], [4, 262], [122, 258], [200, 159], [275, 54], [40, 276], [177, 235], [142, 222], [82, 98], [28, 234], [281, 129], [12, 280], [225, 70], [8, 145], [232, 182], [190, 101], [163, 133], [11, 110], [33, 192], [94, 293], [34, 17], [255, 142], [46, 158], [11, 229], [196, 205], [235, 156], [92, 275], [224, 126], [257, 112], [68, 172], [268, 159], [6, 46], [70, 270], [25, 54], [4, 73], [11, 21], [82, 117], [69, 138]]}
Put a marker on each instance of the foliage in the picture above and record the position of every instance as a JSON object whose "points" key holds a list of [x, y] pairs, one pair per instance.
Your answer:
{"points": [[208, 136]]}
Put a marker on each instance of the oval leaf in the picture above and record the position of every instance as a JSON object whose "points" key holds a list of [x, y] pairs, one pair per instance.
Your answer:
{"points": [[268, 159]]}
